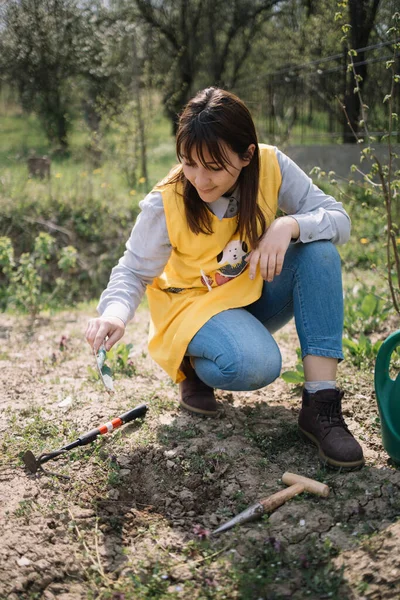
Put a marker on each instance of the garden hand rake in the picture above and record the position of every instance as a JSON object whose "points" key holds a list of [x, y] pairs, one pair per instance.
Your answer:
{"points": [[33, 464]]}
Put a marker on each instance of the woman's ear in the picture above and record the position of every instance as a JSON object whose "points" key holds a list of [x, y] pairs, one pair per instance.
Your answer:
{"points": [[248, 155]]}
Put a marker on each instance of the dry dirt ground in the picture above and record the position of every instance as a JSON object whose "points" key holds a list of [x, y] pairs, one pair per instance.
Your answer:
{"points": [[127, 518]]}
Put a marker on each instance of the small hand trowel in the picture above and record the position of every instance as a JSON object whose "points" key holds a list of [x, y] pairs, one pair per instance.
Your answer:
{"points": [[33, 464], [104, 371]]}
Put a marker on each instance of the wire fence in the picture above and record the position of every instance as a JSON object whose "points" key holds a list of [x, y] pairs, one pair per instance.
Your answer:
{"points": [[303, 103]]}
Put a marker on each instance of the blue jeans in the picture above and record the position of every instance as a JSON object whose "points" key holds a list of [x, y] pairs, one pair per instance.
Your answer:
{"points": [[235, 349]]}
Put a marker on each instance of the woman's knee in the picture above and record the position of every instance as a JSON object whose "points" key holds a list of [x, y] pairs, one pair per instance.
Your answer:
{"points": [[315, 261], [260, 375], [323, 252], [252, 372], [234, 351]]}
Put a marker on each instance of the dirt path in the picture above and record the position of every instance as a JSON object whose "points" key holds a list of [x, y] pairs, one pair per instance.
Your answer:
{"points": [[127, 523]]}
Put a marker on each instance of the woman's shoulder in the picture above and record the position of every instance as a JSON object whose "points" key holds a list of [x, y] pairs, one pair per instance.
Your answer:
{"points": [[170, 189], [152, 201], [268, 155], [267, 149]]}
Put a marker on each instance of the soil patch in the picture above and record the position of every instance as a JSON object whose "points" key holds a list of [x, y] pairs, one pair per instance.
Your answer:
{"points": [[127, 517]]}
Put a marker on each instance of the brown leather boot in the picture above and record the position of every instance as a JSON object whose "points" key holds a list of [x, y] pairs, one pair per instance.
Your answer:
{"points": [[195, 395], [322, 422]]}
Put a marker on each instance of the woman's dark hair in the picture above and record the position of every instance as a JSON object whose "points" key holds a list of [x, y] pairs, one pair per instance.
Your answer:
{"points": [[212, 119]]}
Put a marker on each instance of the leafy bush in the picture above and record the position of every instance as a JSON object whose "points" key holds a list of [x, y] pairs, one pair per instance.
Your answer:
{"points": [[87, 215], [24, 278], [367, 247], [365, 313], [381, 177]]}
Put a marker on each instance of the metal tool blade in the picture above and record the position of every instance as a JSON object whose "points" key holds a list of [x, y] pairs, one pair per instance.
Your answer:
{"points": [[253, 512], [30, 461], [104, 372]]}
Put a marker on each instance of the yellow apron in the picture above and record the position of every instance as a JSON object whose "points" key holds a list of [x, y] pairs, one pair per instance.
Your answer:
{"points": [[205, 274]]}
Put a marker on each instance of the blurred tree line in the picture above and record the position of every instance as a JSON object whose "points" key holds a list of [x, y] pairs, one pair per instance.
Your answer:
{"points": [[284, 57]]}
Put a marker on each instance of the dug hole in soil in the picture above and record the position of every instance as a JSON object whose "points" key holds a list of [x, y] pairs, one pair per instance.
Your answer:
{"points": [[145, 493]]}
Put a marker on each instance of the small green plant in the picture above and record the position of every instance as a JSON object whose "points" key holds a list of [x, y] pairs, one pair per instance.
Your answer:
{"points": [[297, 376], [114, 477], [261, 569], [25, 290], [362, 351], [362, 587], [320, 576], [365, 311], [119, 361], [24, 510], [153, 584]]}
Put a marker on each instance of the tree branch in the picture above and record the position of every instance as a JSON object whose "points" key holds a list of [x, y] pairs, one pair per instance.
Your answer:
{"points": [[147, 11]]}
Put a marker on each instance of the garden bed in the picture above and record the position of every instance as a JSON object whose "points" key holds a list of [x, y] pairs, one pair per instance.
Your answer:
{"points": [[129, 521]]}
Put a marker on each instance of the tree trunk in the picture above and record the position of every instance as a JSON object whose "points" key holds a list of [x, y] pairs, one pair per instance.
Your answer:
{"points": [[139, 112], [62, 136], [176, 100]]}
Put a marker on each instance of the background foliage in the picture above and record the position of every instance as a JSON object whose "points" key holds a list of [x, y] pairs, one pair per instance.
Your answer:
{"points": [[97, 87]]}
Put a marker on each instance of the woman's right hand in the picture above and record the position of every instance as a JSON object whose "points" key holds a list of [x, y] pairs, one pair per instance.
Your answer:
{"points": [[104, 330]]}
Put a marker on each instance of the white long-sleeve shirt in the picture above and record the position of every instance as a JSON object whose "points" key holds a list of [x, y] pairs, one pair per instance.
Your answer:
{"points": [[320, 217]]}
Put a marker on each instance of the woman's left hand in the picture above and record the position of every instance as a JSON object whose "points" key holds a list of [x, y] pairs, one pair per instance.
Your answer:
{"points": [[271, 250]]}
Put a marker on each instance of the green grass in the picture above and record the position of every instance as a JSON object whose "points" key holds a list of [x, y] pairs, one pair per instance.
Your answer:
{"points": [[24, 136], [92, 207], [20, 134], [98, 203]]}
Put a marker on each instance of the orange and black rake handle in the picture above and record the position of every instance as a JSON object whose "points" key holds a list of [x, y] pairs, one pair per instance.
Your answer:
{"points": [[33, 464]]}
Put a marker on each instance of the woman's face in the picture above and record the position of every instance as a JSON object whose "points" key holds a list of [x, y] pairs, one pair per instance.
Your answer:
{"points": [[213, 181]]}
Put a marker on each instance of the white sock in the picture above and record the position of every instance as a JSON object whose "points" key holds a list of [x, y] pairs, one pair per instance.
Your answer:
{"points": [[315, 386]]}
